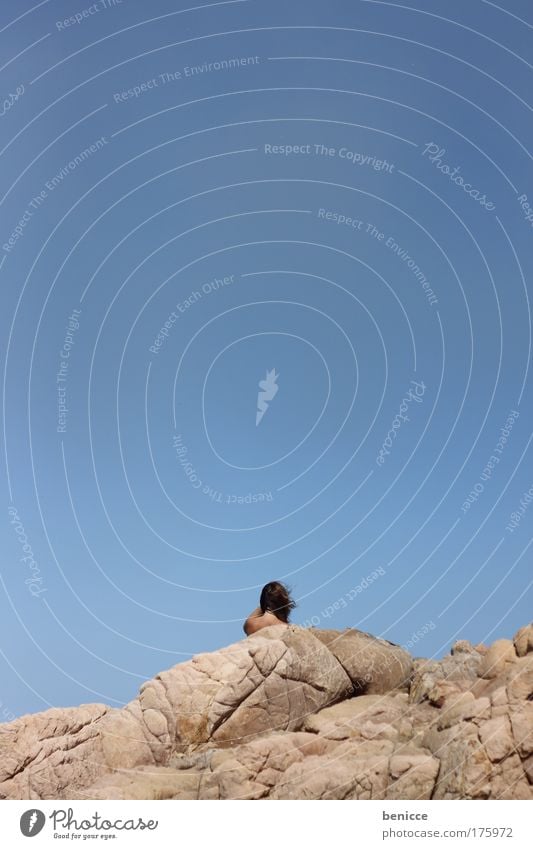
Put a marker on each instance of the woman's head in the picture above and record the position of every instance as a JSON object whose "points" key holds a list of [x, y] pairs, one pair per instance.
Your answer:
{"points": [[275, 598]]}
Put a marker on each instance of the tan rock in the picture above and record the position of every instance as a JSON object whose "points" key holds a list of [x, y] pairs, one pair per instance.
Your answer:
{"points": [[455, 709], [462, 646], [441, 691], [434, 680], [436, 740], [53, 752], [520, 680], [271, 681], [495, 734], [352, 771], [499, 710], [413, 776], [154, 782], [276, 716], [499, 697], [522, 724], [497, 659], [523, 640], [350, 717], [480, 710], [374, 665], [528, 768], [465, 768], [305, 678], [509, 781]]}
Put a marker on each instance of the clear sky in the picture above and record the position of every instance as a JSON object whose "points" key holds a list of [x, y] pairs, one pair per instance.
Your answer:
{"points": [[331, 198]]}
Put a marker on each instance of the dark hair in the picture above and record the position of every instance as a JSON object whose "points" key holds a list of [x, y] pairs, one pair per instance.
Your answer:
{"points": [[275, 598]]}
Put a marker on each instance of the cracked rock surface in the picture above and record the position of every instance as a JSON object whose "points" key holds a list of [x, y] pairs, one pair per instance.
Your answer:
{"points": [[294, 713]]}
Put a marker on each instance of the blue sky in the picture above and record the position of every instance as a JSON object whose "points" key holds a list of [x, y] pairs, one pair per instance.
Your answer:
{"points": [[194, 197]]}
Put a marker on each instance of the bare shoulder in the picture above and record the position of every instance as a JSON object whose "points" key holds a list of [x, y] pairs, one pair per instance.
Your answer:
{"points": [[271, 619], [258, 620]]}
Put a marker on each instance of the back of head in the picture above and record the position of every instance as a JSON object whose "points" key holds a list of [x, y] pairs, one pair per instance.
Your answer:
{"points": [[275, 598]]}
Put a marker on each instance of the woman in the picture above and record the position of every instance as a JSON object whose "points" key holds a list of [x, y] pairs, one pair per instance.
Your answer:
{"points": [[275, 605]]}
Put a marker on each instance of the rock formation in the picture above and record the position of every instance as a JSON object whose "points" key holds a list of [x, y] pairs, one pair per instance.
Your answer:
{"points": [[294, 713]]}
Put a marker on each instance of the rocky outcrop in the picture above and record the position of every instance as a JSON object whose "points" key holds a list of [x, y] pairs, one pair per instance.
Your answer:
{"points": [[293, 713]]}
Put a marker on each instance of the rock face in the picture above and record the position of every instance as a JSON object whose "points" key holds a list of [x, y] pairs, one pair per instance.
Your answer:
{"points": [[293, 713]]}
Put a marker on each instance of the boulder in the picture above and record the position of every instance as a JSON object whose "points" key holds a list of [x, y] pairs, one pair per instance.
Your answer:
{"points": [[497, 659], [294, 713], [497, 738], [373, 665], [523, 640], [268, 682]]}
